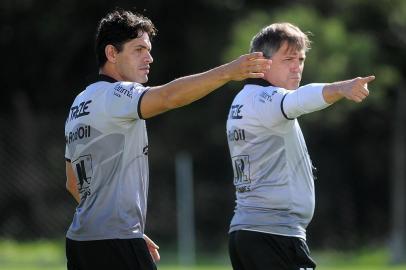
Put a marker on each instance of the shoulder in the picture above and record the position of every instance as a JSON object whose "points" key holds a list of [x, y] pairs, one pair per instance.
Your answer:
{"points": [[122, 89], [269, 94]]}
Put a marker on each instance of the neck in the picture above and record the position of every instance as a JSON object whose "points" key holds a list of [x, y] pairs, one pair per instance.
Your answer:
{"points": [[109, 70]]}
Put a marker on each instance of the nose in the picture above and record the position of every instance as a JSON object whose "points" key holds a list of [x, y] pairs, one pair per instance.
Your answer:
{"points": [[295, 66], [149, 58]]}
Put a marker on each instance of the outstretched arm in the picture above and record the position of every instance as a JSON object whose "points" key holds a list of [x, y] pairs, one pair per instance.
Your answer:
{"points": [[314, 97], [185, 90], [355, 89]]}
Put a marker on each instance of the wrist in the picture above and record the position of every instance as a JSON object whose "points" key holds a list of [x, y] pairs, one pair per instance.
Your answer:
{"points": [[224, 73], [333, 92]]}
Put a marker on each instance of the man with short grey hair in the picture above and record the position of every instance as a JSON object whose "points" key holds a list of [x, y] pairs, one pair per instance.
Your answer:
{"points": [[272, 168]]}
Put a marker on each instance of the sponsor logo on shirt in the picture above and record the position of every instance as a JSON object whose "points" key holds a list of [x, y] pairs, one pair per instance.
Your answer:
{"points": [[236, 135], [235, 112], [79, 110], [266, 97], [78, 133], [120, 90]]}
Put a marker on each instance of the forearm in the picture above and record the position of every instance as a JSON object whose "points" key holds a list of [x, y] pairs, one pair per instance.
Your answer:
{"points": [[187, 89], [332, 92]]}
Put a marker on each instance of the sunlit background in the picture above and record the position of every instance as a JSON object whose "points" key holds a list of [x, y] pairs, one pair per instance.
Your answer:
{"points": [[359, 149]]}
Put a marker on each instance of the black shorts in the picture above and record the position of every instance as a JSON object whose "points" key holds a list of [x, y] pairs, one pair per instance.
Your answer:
{"points": [[117, 254], [251, 250]]}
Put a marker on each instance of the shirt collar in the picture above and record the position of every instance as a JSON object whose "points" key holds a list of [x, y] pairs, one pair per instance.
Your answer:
{"points": [[102, 77], [258, 81]]}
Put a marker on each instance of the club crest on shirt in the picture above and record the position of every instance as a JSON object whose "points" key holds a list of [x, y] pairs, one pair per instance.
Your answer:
{"points": [[235, 111], [84, 172], [241, 168]]}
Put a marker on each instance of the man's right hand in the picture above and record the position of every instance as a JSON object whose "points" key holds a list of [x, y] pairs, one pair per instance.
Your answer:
{"points": [[253, 65], [355, 89]]}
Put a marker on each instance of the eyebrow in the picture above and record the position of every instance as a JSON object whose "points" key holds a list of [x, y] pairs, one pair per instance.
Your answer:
{"points": [[143, 47], [294, 55]]}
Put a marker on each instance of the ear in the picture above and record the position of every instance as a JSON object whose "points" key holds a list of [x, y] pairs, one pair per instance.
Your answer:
{"points": [[111, 53]]}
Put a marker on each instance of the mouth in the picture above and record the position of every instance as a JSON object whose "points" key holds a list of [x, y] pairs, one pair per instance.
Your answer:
{"points": [[145, 69]]}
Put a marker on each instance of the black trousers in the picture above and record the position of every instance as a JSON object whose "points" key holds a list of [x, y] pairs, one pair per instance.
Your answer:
{"points": [[251, 250], [117, 254]]}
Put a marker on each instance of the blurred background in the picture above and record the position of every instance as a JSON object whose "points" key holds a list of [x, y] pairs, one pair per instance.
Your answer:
{"points": [[358, 149]]}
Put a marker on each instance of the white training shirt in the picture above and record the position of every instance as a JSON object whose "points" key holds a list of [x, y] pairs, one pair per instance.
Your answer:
{"points": [[272, 168], [107, 145]]}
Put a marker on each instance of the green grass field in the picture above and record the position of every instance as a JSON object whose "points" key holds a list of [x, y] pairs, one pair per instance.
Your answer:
{"points": [[50, 255]]}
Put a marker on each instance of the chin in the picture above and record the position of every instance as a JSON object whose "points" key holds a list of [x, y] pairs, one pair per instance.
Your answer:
{"points": [[141, 80], [294, 87]]}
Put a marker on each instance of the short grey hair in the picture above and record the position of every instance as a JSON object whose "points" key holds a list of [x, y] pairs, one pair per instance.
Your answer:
{"points": [[271, 38]]}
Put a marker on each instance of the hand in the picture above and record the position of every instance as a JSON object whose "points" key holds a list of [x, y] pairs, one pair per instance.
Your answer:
{"points": [[153, 248], [356, 89], [252, 65]]}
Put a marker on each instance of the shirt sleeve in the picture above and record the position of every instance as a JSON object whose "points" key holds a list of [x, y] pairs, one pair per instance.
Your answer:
{"points": [[278, 105], [305, 99], [67, 154], [124, 100]]}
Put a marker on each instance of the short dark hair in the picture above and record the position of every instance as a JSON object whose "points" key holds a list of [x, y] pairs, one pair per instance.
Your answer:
{"points": [[271, 38], [118, 27]]}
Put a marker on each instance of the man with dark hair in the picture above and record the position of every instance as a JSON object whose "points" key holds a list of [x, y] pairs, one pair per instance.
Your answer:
{"points": [[107, 145], [272, 168]]}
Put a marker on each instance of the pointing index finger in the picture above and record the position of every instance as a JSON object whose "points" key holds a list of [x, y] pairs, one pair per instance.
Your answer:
{"points": [[368, 79]]}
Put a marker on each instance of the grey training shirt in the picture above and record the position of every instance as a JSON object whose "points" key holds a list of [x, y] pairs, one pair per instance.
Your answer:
{"points": [[107, 145], [272, 168]]}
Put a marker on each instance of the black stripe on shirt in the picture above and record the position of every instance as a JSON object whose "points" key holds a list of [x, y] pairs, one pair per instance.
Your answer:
{"points": [[283, 112], [139, 104]]}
